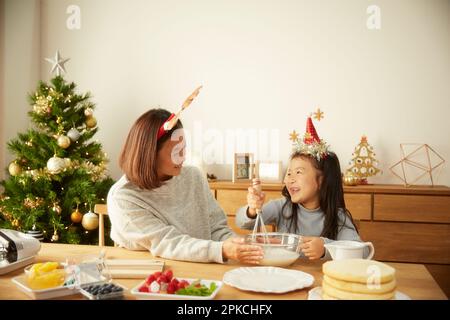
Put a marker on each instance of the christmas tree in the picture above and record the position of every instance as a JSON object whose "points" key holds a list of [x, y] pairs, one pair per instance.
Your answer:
{"points": [[363, 163], [58, 172]]}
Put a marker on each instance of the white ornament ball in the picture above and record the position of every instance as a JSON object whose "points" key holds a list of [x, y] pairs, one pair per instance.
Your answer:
{"points": [[55, 165], [63, 142], [73, 134], [14, 169], [55, 237], [88, 112], [90, 221]]}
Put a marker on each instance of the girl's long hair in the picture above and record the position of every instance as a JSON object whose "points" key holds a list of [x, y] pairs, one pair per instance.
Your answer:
{"points": [[331, 196]]}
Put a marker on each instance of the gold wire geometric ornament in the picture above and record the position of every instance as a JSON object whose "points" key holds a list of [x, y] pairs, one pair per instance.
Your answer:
{"points": [[423, 150]]}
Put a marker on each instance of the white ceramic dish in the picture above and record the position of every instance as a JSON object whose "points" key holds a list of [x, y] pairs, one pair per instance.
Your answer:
{"points": [[61, 291], [316, 294], [162, 296], [16, 265], [268, 279]]}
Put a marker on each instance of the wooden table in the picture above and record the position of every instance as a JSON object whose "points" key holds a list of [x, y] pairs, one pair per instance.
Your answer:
{"points": [[413, 279]]}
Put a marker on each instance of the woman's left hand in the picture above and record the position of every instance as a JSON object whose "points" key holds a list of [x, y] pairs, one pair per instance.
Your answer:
{"points": [[312, 247]]}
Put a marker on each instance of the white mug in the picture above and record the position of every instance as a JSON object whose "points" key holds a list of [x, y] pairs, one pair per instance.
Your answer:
{"points": [[340, 250]]}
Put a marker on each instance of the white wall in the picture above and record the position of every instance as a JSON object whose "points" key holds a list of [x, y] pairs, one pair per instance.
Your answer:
{"points": [[20, 68], [264, 64]]}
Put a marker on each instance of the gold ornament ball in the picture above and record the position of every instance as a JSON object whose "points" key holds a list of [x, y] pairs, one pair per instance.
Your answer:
{"points": [[90, 221], [67, 163], [14, 169], [88, 112], [349, 179], [64, 142], [76, 216], [56, 209], [91, 122]]}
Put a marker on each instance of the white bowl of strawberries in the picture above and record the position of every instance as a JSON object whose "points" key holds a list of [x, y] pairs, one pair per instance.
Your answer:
{"points": [[164, 286]]}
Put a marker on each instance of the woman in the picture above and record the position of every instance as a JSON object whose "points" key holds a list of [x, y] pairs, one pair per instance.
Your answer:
{"points": [[166, 208]]}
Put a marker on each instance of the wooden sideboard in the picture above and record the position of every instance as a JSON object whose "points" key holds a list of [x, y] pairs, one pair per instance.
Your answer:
{"points": [[405, 224]]}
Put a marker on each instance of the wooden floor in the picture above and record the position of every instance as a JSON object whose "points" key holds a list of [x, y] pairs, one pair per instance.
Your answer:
{"points": [[441, 274]]}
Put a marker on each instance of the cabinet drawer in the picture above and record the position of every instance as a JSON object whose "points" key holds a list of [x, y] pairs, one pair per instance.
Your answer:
{"points": [[415, 208], [408, 242], [237, 230], [359, 205], [232, 200]]}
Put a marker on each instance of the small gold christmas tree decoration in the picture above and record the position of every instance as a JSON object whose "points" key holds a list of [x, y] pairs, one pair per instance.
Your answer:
{"points": [[363, 163]]}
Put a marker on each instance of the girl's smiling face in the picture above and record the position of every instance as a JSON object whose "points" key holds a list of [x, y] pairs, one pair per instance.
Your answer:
{"points": [[303, 182]]}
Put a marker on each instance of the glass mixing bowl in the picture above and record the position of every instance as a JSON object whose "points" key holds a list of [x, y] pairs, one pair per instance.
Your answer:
{"points": [[280, 249]]}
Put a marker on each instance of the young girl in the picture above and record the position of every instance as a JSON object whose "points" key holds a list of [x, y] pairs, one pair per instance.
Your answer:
{"points": [[313, 204], [161, 206]]}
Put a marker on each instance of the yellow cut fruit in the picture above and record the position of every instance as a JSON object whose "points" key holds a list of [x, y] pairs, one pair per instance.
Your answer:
{"points": [[48, 266], [45, 276]]}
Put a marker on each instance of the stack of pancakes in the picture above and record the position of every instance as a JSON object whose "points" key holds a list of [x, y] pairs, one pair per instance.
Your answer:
{"points": [[358, 279]]}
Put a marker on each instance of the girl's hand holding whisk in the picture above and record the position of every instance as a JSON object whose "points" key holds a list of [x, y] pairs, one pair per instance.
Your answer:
{"points": [[255, 200]]}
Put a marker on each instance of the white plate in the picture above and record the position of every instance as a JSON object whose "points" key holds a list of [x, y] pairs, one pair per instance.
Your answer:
{"points": [[61, 291], [16, 265], [268, 279], [316, 294], [166, 296]]}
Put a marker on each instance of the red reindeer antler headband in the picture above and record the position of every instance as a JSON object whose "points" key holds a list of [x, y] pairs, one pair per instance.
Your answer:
{"points": [[173, 119]]}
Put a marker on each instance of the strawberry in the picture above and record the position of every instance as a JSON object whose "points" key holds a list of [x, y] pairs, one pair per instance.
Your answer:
{"points": [[175, 282], [150, 279], [157, 274], [168, 274], [183, 284], [143, 288], [162, 279], [171, 288]]}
